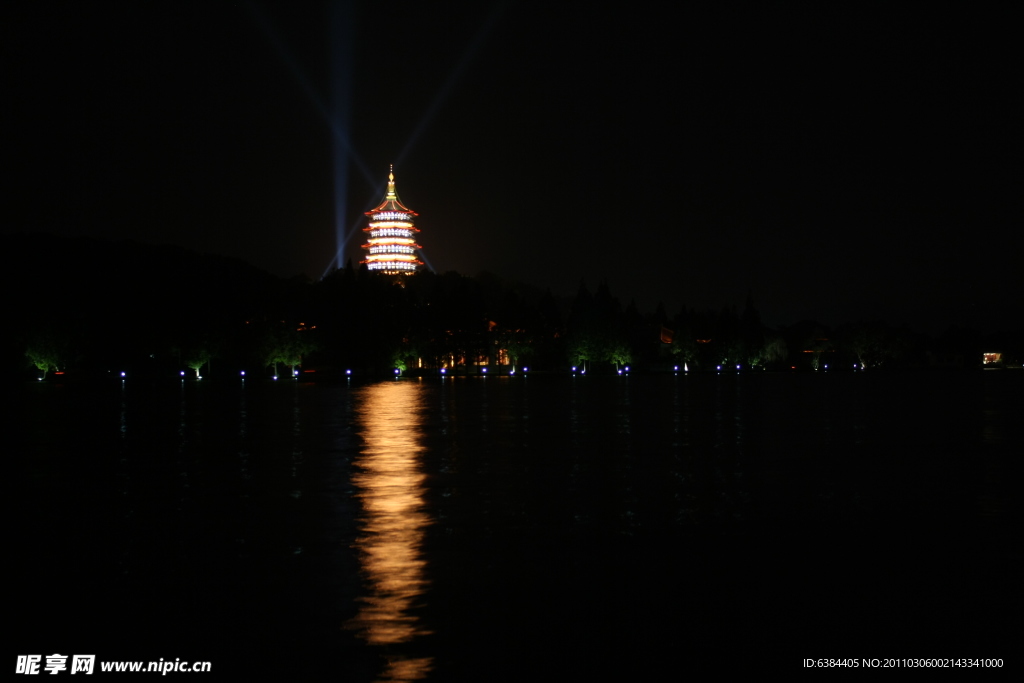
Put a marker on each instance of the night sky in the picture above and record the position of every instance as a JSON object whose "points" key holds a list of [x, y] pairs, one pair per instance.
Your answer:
{"points": [[839, 166]]}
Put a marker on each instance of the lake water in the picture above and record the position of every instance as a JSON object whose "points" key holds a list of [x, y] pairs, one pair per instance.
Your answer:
{"points": [[512, 528]]}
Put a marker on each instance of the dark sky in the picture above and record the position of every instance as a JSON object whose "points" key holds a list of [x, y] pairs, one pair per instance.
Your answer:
{"points": [[840, 165]]}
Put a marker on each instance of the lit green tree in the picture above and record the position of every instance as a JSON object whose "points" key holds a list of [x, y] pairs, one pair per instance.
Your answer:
{"points": [[684, 347], [581, 348], [619, 353], [197, 360], [774, 350], [46, 351], [42, 359], [817, 343], [285, 346]]}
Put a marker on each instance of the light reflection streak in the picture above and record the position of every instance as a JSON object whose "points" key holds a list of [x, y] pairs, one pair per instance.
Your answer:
{"points": [[391, 488]]}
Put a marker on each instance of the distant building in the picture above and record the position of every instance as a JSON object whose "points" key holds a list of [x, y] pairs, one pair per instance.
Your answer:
{"points": [[391, 244]]}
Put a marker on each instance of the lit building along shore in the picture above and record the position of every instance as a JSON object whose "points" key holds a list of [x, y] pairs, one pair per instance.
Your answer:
{"points": [[391, 244]]}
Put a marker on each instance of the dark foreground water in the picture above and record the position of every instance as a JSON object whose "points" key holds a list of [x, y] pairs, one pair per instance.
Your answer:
{"points": [[517, 529]]}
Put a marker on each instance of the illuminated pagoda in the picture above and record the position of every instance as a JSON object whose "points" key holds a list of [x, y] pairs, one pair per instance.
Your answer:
{"points": [[391, 245]]}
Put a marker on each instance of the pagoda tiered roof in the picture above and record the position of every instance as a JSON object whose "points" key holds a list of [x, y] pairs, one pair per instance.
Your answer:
{"points": [[391, 202]]}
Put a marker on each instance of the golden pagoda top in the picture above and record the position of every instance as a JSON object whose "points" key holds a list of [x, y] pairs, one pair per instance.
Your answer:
{"points": [[391, 202]]}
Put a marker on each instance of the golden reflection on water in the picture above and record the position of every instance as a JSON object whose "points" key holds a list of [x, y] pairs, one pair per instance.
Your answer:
{"points": [[391, 487]]}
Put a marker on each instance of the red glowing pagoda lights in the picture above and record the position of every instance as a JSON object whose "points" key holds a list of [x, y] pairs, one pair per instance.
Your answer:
{"points": [[391, 244]]}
